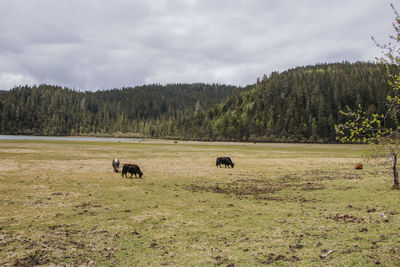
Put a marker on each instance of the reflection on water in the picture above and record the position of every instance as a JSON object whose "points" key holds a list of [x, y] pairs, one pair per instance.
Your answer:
{"points": [[67, 138]]}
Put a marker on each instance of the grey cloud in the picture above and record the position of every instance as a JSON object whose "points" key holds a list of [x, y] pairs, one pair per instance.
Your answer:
{"points": [[99, 44]]}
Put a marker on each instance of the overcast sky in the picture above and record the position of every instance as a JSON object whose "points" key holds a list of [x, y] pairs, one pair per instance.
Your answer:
{"points": [[103, 44]]}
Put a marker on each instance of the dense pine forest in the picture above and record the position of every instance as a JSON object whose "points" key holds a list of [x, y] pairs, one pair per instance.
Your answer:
{"points": [[52, 110], [299, 105]]}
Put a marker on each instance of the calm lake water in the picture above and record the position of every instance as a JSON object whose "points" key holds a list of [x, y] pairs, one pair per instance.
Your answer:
{"points": [[67, 138]]}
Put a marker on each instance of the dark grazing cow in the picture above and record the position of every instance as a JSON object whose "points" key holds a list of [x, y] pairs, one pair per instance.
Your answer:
{"points": [[115, 164], [225, 161], [132, 169]]}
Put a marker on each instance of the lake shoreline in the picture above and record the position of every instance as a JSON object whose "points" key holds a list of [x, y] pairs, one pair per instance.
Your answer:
{"points": [[69, 138]]}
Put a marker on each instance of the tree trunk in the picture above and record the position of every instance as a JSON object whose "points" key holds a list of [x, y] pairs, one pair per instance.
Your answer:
{"points": [[395, 173]]}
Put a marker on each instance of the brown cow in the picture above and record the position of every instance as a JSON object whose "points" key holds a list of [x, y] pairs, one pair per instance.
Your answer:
{"points": [[358, 166]]}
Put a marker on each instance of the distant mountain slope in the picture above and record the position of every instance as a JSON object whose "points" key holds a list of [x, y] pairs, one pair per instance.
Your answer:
{"points": [[298, 105], [52, 110]]}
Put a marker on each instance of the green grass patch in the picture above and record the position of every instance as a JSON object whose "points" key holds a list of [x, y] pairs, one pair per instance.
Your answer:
{"points": [[282, 204]]}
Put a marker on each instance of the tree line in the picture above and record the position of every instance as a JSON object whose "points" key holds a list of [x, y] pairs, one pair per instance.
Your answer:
{"points": [[134, 111], [299, 105]]}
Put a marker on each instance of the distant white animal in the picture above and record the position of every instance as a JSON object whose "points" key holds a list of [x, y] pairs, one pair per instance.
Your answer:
{"points": [[115, 164]]}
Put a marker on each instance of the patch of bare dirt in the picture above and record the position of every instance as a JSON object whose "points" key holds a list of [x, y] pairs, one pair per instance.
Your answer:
{"points": [[37, 257], [60, 243], [272, 257], [352, 177], [309, 186], [261, 188], [345, 218], [256, 188]]}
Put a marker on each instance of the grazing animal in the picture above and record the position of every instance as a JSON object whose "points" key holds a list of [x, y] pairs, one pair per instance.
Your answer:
{"points": [[132, 169], [358, 166], [225, 161], [115, 164]]}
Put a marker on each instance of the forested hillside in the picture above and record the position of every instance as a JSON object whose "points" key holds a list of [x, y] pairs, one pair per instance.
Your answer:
{"points": [[52, 110], [298, 105]]}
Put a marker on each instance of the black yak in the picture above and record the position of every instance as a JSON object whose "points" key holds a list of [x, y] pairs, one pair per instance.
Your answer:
{"points": [[132, 169], [225, 161]]}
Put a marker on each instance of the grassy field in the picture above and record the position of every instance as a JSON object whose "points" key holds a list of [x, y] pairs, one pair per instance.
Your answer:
{"points": [[282, 204]]}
